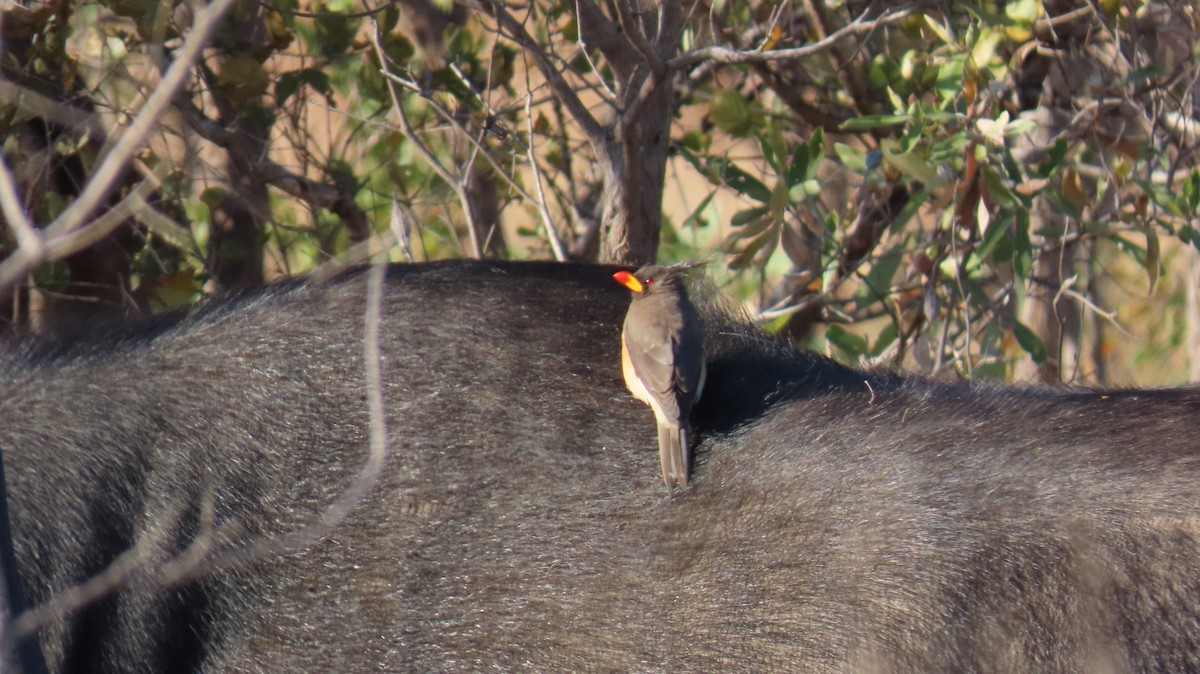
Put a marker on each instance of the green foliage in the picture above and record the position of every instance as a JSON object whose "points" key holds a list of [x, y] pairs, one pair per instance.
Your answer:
{"points": [[980, 194], [914, 185]]}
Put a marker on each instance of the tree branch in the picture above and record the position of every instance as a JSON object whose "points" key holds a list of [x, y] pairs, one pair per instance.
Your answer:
{"points": [[556, 244], [14, 212], [633, 32], [596, 134], [726, 55], [301, 187], [453, 180], [604, 35]]}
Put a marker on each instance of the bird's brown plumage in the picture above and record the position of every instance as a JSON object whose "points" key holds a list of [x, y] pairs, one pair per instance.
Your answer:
{"points": [[662, 359]]}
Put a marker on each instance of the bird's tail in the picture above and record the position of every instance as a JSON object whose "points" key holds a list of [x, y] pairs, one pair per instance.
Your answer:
{"points": [[674, 451]]}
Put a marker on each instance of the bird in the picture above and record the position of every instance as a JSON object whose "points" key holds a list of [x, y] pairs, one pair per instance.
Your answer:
{"points": [[662, 360]]}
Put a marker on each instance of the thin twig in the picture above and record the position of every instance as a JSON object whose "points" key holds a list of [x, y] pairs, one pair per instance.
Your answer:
{"points": [[556, 244], [29, 103], [458, 126], [456, 182], [1067, 290], [114, 577], [63, 246], [596, 133], [313, 192], [353, 495], [727, 55], [607, 93]]}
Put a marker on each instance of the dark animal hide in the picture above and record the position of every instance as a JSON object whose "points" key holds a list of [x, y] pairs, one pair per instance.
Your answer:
{"points": [[839, 521]]}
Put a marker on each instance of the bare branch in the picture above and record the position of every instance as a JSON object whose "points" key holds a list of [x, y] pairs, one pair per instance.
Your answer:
{"points": [[14, 212], [62, 246], [115, 576], [32, 104], [629, 26], [323, 195], [354, 494], [604, 35], [725, 55], [454, 181], [596, 134], [608, 94], [556, 243], [466, 133]]}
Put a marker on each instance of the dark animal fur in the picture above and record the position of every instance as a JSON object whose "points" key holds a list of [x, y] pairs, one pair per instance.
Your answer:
{"points": [[838, 521]]}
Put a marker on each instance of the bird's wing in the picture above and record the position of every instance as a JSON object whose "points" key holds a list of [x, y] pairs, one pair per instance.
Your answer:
{"points": [[651, 351]]}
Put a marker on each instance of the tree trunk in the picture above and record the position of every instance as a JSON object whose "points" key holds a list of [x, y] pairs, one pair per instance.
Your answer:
{"points": [[634, 178], [1055, 322], [235, 246], [634, 151]]}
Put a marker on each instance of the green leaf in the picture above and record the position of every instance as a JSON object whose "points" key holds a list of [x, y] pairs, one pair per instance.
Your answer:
{"points": [[731, 112], [816, 152], [868, 122], [748, 215], [993, 235], [1190, 193], [984, 49], [697, 219], [242, 79], [910, 209], [739, 180], [1131, 249], [1024, 11], [999, 188], [1022, 258], [1053, 159], [938, 29], [287, 85], [1153, 254], [804, 191], [852, 158], [1030, 342], [1163, 197], [1188, 235], [806, 159], [290, 82], [799, 165], [696, 141], [334, 34], [1012, 170], [996, 370], [887, 337], [847, 342], [772, 146], [949, 79], [910, 164], [879, 280]]}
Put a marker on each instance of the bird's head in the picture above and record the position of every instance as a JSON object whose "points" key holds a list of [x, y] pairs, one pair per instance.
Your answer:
{"points": [[642, 280], [654, 277]]}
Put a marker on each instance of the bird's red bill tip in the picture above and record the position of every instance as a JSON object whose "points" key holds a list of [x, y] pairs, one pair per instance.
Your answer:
{"points": [[629, 281]]}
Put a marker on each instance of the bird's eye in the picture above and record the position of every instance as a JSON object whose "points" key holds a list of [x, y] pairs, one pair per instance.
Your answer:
{"points": [[649, 281]]}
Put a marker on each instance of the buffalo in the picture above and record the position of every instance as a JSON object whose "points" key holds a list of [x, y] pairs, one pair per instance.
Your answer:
{"points": [[170, 484]]}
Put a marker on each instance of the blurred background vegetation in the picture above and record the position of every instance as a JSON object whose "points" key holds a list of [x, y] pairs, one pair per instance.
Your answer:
{"points": [[991, 190]]}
